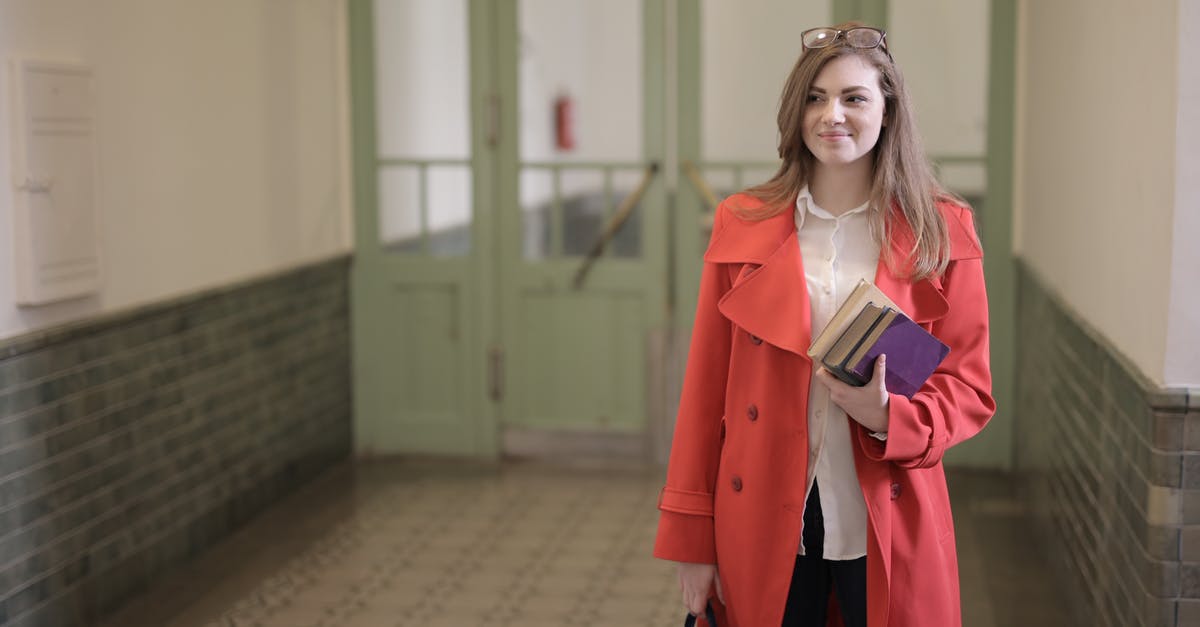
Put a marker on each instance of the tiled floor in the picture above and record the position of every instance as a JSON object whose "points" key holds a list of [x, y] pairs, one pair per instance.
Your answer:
{"points": [[432, 544]]}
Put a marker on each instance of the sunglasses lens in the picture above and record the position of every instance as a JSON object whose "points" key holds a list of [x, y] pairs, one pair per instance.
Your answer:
{"points": [[863, 37], [819, 37]]}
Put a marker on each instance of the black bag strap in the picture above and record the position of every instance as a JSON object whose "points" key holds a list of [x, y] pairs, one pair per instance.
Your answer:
{"points": [[708, 616]]}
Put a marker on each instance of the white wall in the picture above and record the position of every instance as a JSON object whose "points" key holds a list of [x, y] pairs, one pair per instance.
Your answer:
{"points": [[222, 129], [1183, 315], [1096, 162]]}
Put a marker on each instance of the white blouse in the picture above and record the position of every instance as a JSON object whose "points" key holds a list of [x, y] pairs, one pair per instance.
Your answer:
{"points": [[837, 252]]}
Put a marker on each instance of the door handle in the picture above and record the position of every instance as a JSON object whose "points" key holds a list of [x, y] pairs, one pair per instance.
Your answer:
{"points": [[496, 373]]}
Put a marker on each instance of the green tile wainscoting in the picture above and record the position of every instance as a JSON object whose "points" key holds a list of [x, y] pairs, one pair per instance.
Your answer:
{"points": [[1110, 465], [135, 440]]}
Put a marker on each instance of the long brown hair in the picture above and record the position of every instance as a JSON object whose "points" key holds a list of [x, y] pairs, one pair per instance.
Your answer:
{"points": [[902, 175]]}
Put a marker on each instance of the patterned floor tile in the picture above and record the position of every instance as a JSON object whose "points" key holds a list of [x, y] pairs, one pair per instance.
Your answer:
{"points": [[419, 544]]}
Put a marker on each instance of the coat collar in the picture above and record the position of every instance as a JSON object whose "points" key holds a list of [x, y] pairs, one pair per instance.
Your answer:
{"points": [[769, 297]]}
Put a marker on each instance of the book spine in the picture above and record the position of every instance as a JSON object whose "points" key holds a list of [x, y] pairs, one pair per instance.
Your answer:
{"points": [[846, 376], [853, 361]]}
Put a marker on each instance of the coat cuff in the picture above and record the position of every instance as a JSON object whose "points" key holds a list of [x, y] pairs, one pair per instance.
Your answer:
{"points": [[685, 538], [685, 502], [908, 440]]}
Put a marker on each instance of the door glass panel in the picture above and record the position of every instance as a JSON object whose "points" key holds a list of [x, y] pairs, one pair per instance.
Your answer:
{"points": [[540, 208], [943, 50], [566, 209], [580, 82], [585, 210], [400, 228], [424, 126], [747, 50], [628, 241], [450, 226], [412, 226]]}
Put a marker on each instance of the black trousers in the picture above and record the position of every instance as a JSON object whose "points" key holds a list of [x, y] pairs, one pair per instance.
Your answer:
{"points": [[814, 577]]}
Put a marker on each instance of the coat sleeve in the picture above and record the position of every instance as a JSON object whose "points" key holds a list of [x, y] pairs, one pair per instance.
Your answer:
{"points": [[956, 402], [685, 527]]}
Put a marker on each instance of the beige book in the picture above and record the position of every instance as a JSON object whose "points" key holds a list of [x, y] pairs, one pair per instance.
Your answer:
{"points": [[865, 292], [869, 339], [865, 322]]}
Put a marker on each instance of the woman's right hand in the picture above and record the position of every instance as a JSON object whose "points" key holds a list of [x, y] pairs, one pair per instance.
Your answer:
{"points": [[695, 580]]}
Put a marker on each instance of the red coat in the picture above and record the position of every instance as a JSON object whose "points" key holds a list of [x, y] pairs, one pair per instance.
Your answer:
{"points": [[735, 484]]}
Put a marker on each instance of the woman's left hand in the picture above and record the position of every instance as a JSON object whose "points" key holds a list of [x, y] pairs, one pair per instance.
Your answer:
{"points": [[867, 405]]}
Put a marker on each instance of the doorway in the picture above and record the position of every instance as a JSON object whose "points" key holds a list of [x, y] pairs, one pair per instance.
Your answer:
{"points": [[495, 142], [510, 278]]}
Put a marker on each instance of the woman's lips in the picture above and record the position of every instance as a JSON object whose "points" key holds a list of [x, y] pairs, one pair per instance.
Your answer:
{"points": [[833, 137]]}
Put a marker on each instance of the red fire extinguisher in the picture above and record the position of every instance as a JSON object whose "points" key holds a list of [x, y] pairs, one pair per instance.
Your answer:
{"points": [[564, 136]]}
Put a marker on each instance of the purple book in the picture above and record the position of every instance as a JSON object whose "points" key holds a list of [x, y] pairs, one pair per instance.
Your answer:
{"points": [[913, 354]]}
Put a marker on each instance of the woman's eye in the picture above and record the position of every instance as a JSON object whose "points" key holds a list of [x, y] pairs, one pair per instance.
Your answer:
{"points": [[814, 98], [856, 99]]}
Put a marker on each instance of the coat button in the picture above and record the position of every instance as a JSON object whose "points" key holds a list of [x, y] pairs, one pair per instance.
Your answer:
{"points": [[895, 491], [737, 483], [752, 412], [755, 340]]}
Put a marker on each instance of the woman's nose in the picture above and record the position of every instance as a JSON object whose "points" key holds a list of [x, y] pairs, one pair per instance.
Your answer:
{"points": [[833, 113]]}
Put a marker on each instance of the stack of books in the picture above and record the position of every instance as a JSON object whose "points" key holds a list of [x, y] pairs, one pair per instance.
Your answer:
{"points": [[868, 325]]}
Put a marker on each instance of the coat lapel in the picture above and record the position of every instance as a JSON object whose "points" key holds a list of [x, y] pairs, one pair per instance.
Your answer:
{"points": [[922, 301], [768, 298]]}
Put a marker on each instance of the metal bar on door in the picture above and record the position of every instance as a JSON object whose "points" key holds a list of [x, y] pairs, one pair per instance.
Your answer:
{"points": [[623, 213]]}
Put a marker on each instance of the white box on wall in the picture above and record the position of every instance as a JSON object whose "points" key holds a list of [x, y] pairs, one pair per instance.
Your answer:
{"points": [[54, 182]]}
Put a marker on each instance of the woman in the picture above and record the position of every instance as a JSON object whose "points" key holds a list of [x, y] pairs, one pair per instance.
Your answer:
{"points": [[792, 498]]}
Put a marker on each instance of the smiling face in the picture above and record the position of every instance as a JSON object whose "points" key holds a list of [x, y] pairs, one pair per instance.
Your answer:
{"points": [[843, 112]]}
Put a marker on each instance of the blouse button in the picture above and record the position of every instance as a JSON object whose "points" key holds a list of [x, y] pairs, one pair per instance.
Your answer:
{"points": [[752, 412], [754, 339], [737, 483], [895, 491]]}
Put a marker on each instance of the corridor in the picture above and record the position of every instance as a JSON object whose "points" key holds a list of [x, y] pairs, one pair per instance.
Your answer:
{"points": [[440, 544], [280, 276]]}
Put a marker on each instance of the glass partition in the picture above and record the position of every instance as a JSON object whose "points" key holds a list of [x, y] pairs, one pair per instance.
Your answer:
{"points": [[580, 81], [424, 126]]}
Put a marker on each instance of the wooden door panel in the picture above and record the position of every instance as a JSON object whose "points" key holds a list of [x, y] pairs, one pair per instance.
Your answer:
{"points": [[578, 364], [427, 341]]}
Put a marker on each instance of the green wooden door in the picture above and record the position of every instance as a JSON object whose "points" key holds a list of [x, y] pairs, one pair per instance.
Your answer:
{"points": [[579, 360], [424, 169], [473, 218]]}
